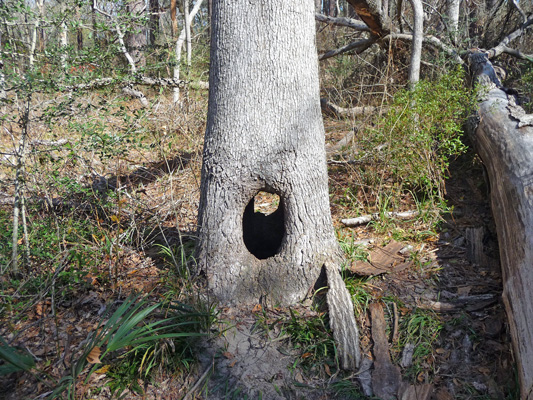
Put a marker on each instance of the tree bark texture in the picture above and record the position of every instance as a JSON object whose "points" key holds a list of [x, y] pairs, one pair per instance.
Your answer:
{"points": [[154, 21], [136, 38], [264, 133], [507, 151]]}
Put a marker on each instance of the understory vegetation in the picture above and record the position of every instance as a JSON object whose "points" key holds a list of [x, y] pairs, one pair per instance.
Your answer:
{"points": [[98, 202]]}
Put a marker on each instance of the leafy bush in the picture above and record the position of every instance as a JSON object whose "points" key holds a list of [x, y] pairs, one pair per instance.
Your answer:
{"points": [[410, 147]]}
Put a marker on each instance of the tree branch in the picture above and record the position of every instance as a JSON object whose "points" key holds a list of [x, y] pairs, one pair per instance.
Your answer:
{"points": [[343, 21], [360, 45], [500, 48], [432, 40]]}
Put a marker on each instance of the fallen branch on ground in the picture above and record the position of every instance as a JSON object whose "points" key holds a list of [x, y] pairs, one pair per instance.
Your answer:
{"points": [[338, 111], [365, 219]]}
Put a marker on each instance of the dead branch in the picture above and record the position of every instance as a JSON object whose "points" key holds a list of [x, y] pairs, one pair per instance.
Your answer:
{"points": [[342, 143], [431, 40], [517, 53], [343, 21], [137, 94], [499, 49], [341, 112], [371, 14], [359, 46], [365, 219]]}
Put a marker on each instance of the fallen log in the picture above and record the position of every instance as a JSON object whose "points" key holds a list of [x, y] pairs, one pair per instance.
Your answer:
{"points": [[507, 152]]}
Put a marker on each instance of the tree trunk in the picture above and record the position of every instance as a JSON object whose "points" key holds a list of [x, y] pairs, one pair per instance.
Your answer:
{"points": [[63, 38], [187, 23], [154, 21], [504, 140], [453, 18], [79, 32], [136, 38], [264, 133], [173, 9], [418, 37]]}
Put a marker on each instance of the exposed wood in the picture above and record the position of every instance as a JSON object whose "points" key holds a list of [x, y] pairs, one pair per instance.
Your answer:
{"points": [[507, 152], [370, 12], [474, 244], [415, 392], [364, 376], [386, 377]]}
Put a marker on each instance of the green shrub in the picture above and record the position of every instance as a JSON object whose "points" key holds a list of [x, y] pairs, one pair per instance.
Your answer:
{"points": [[410, 147]]}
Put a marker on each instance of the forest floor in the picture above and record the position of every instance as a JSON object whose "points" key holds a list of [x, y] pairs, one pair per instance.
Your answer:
{"points": [[437, 287]]}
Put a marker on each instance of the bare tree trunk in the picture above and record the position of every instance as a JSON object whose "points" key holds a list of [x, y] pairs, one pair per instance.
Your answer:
{"points": [[79, 32], [255, 131], [18, 206], [42, 32], [187, 30], [179, 47], [33, 37], [96, 41], [453, 18], [63, 38], [265, 133], [154, 21], [418, 37], [136, 38]]}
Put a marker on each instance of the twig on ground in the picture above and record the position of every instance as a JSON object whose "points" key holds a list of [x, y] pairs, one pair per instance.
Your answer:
{"points": [[365, 219]]}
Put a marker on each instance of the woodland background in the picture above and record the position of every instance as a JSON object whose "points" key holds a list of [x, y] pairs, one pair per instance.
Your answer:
{"points": [[103, 108]]}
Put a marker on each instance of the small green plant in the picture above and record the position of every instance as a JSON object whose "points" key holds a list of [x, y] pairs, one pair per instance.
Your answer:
{"points": [[131, 331], [410, 148], [352, 250], [13, 359], [421, 329], [360, 290], [312, 336]]}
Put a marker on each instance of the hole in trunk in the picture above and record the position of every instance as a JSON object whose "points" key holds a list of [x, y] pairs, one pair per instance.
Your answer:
{"points": [[263, 225]]}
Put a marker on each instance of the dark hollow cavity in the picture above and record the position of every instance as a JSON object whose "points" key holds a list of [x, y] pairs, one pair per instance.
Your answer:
{"points": [[263, 233]]}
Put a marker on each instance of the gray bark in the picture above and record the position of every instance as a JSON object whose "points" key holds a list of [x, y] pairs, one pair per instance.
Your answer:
{"points": [[187, 21], [453, 18], [418, 37], [507, 152], [264, 133], [136, 38]]}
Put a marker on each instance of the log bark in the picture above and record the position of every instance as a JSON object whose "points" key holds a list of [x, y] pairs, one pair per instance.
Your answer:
{"points": [[507, 152]]}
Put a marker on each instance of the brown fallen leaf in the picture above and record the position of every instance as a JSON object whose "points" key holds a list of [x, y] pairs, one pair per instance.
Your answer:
{"points": [[94, 355], [257, 308], [228, 355]]}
